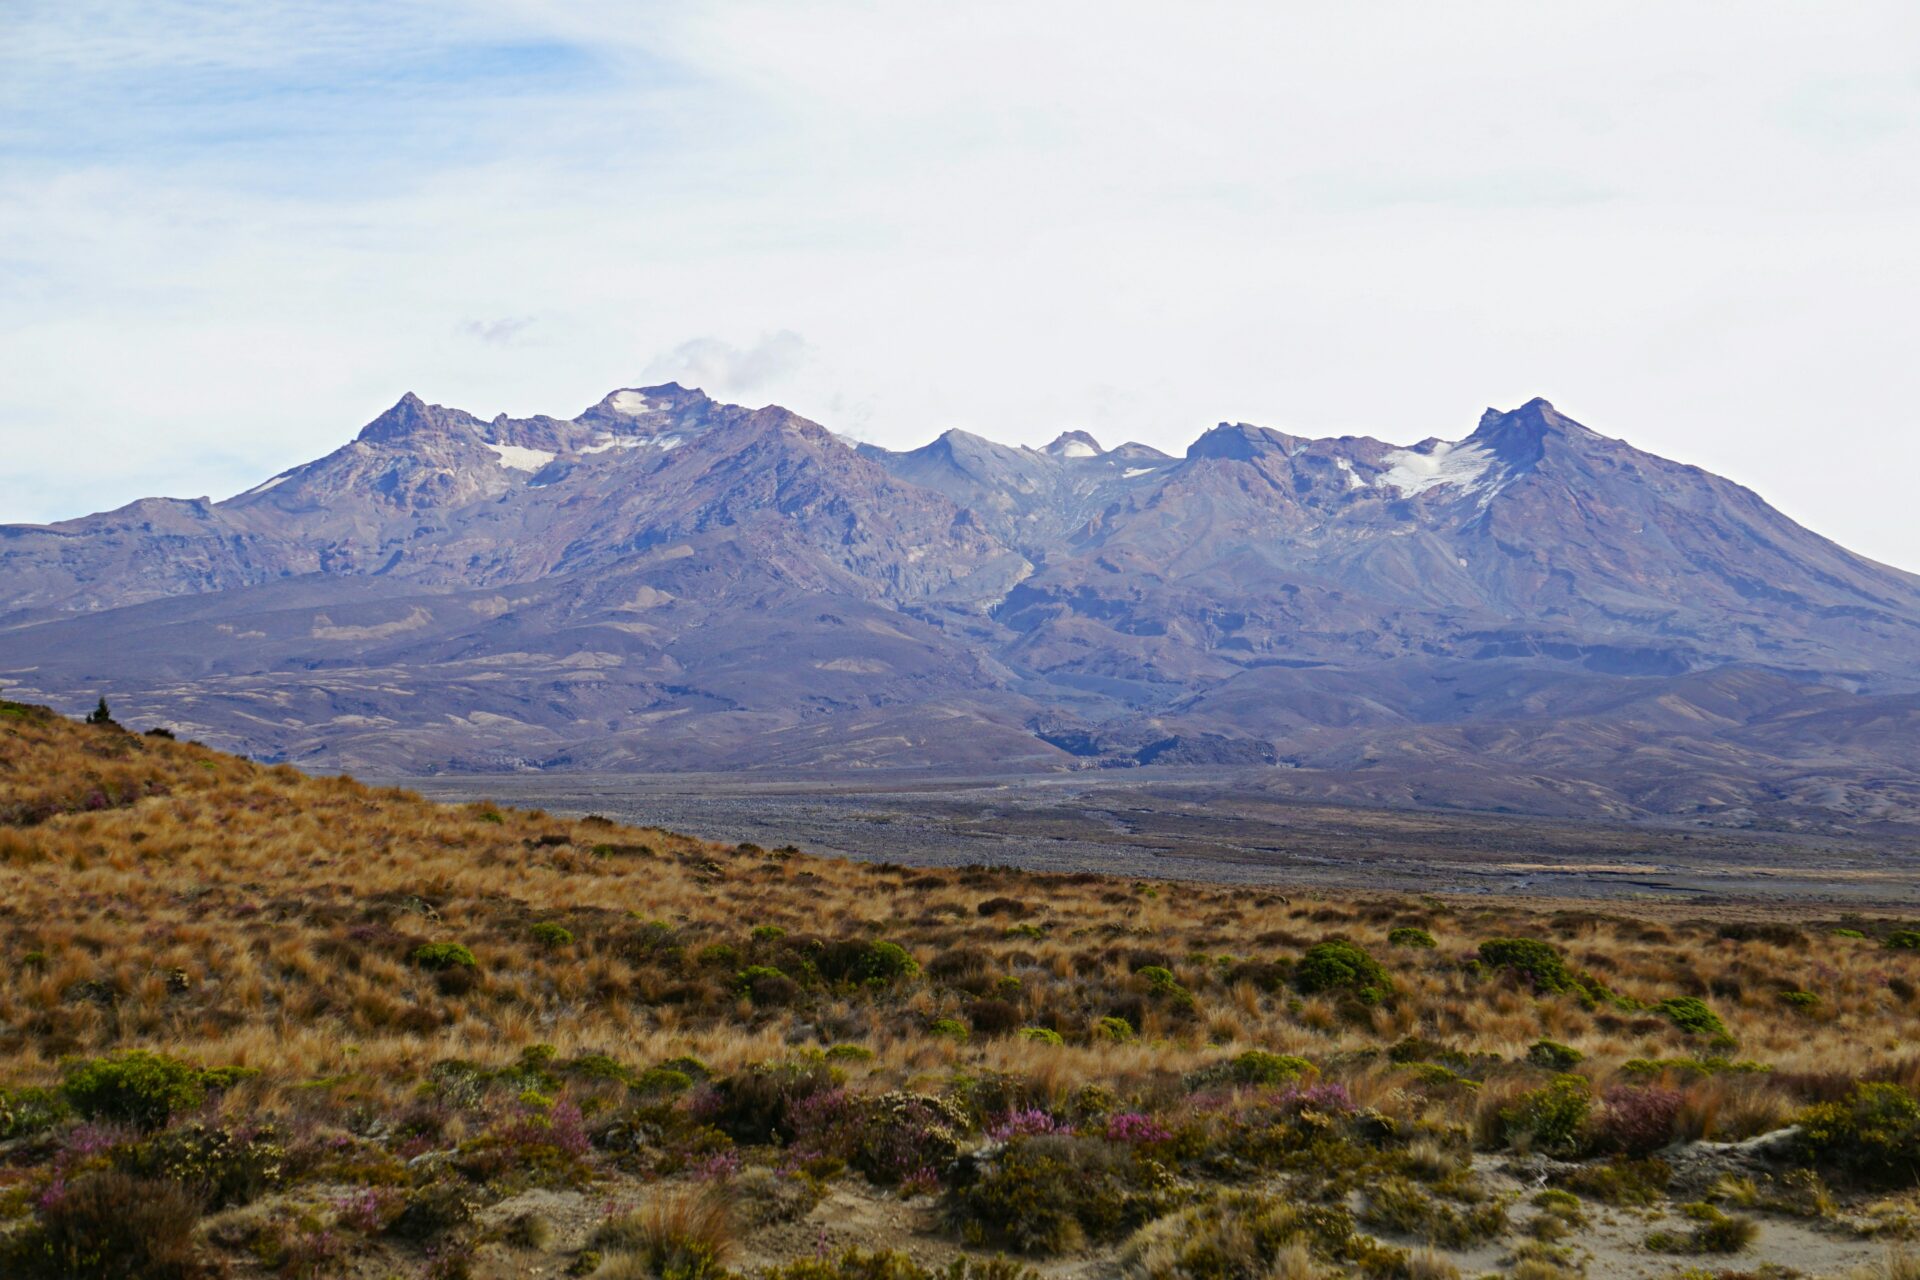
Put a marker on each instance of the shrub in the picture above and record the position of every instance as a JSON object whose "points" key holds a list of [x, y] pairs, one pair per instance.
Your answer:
{"points": [[1163, 986], [684, 1237], [1692, 1016], [1408, 936], [551, 936], [1714, 1231], [858, 1264], [1399, 1204], [1904, 940], [849, 1053], [1041, 1035], [1339, 965], [1636, 1122], [1800, 999], [1554, 1056], [439, 956], [1540, 965], [1617, 1182], [134, 1087], [1247, 1236], [992, 1016], [1872, 1134], [948, 1029], [1549, 1118], [109, 1226], [1258, 1067], [766, 985], [754, 1105], [875, 962], [767, 933], [1052, 1194], [1116, 1029], [221, 1166]]}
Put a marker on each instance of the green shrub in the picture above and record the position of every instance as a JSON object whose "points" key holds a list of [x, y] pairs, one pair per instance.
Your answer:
{"points": [[1714, 1231], [1553, 1055], [949, 1029], [1549, 1118], [134, 1087], [1342, 966], [655, 1081], [1041, 1035], [767, 933], [1115, 1029], [439, 956], [1053, 1194], [879, 963], [221, 1166], [1540, 965], [1800, 999], [849, 1053], [1258, 1067], [1248, 1236], [1904, 940], [1873, 1134], [1408, 936], [1692, 1016], [1848, 933], [1400, 1204], [551, 936]]}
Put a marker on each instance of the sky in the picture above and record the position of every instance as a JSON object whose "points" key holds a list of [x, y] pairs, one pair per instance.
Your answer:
{"points": [[233, 231]]}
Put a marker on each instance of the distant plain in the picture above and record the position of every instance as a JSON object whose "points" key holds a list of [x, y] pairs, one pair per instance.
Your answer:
{"points": [[1226, 828]]}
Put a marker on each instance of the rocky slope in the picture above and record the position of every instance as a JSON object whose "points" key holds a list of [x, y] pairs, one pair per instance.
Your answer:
{"points": [[1536, 616]]}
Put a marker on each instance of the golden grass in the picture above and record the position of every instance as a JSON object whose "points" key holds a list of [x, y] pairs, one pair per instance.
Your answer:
{"points": [[161, 895]]}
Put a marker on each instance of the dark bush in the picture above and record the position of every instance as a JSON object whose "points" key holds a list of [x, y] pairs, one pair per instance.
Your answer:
{"points": [[853, 960], [109, 1226], [1004, 907], [1636, 1121], [1554, 1056], [992, 1017], [1053, 1194], [765, 985], [1408, 936], [753, 1105]]}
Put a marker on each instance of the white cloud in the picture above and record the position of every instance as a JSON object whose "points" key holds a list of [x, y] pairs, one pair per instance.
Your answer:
{"points": [[723, 369], [1689, 225]]}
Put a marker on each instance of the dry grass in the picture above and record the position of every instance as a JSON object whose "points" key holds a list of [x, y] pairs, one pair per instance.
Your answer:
{"points": [[163, 896]]}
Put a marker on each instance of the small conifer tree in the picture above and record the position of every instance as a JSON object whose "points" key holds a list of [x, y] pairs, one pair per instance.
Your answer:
{"points": [[100, 714]]}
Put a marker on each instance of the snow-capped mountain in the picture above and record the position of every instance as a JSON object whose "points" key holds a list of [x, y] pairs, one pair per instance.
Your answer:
{"points": [[1534, 616]]}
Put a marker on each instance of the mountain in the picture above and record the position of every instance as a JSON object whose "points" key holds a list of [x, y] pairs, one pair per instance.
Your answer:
{"points": [[1534, 617]]}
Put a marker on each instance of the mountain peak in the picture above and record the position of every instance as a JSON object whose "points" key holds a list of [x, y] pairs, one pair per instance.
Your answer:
{"points": [[1074, 444], [637, 402], [410, 415], [1239, 441]]}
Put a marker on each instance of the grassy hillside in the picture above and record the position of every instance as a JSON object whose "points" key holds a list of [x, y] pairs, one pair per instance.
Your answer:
{"points": [[259, 1023]]}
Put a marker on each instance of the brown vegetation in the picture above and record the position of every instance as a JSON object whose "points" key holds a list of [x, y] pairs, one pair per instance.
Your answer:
{"points": [[426, 1009]]}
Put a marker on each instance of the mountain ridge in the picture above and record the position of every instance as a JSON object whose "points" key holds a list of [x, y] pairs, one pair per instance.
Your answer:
{"points": [[666, 581]]}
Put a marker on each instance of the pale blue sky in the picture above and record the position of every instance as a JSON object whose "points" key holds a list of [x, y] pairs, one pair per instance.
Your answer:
{"points": [[232, 232]]}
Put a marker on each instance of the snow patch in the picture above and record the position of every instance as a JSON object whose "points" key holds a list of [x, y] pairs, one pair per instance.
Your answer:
{"points": [[1078, 449], [521, 459], [262, 488], [1354, 478], [1414, 471], [1131, 472], [631, 442], [631, 403]]}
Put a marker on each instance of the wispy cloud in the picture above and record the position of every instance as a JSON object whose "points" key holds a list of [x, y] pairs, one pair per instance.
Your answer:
{"points": [[725, 369]]}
